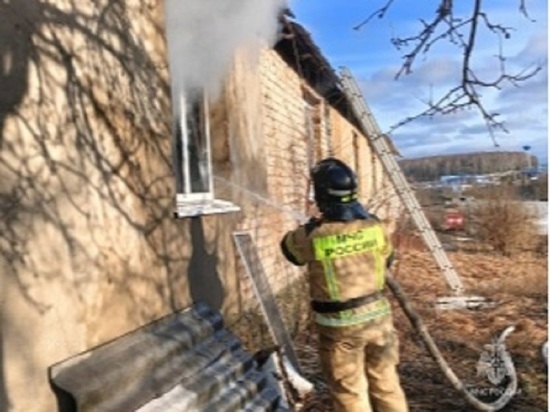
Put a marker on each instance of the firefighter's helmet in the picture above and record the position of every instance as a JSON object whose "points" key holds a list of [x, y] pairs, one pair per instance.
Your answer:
{"points": [[335, 190], [333, 181]]}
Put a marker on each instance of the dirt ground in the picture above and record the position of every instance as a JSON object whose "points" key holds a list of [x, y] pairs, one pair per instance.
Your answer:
{"points": [[518, 285]]}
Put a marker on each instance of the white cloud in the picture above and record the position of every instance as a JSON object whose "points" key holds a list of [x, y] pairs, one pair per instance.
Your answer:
{"points": [[536, 49], [425, 83], [527, 95], [440, 71]]}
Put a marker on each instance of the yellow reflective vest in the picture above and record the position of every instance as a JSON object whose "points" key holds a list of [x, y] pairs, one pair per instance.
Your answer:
{"points": [[345, 260]]}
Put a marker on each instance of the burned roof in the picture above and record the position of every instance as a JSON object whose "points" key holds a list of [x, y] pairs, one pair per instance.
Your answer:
{"points": [[297, 48]]}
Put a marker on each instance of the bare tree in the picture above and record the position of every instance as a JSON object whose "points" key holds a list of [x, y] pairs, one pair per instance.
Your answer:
{"points": [[462, 32]]}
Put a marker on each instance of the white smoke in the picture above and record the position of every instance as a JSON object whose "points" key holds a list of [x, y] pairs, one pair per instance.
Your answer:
{"points": [[203, 36]]}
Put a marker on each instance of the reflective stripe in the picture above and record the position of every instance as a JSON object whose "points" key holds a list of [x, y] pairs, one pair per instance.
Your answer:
{"points": [[379, 264], [347, 199], [337, 246], [291, 249], [339, 192], [383, 310], [332, 283]]}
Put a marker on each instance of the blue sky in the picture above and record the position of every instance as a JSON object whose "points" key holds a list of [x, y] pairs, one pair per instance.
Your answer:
{"points": [[374, 61]]}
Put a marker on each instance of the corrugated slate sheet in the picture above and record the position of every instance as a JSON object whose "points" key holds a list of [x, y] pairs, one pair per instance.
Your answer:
{"points": [[186, 361]]}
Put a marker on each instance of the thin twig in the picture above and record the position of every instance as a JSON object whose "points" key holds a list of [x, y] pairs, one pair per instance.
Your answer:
{"points": [[380, 13]]}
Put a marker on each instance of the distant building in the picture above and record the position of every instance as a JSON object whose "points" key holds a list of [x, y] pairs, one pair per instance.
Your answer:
{"points": [[451, 180]]}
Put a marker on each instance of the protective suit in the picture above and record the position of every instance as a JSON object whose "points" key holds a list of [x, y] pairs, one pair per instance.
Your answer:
{"points": [[347, 251]]}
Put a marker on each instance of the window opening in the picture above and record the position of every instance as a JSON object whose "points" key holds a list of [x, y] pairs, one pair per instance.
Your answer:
{"points": [[192, 157], [313, 123], [193, 140], [356, 153]]}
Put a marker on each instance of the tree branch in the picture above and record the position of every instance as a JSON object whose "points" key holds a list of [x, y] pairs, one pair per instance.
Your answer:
{"points": [[380, 13], [461, 33]]}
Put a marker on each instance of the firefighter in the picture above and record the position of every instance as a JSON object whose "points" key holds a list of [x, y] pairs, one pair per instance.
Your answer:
{"points": [[347, 250]]}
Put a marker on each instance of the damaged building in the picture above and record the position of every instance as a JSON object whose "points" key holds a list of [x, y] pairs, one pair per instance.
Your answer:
{"points": [[120, 190]]}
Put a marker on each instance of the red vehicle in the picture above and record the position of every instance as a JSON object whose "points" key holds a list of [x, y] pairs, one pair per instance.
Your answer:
{"points": [[454, 220]]}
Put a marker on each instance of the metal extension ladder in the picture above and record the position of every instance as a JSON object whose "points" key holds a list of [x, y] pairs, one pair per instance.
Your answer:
{"points": [[380, 145]]}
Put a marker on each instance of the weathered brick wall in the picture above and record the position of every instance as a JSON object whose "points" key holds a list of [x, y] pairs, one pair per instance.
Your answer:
{"points": [[299, 128], [89, 248], [278, 183], [290, 122], [288, 139]]}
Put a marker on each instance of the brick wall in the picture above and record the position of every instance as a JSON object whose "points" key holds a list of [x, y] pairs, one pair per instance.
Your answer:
{"points": [[299, 128]]}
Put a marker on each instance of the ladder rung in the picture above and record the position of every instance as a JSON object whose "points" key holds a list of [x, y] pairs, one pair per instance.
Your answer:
{"points": [[380, 145]]}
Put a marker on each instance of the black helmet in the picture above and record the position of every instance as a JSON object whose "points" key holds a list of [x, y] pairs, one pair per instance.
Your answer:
{"points": [[335, 186], [333, 181]]}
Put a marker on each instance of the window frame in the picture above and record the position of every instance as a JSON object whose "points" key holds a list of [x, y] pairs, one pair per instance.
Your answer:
{"points": [[184, 186], [187, 202]]}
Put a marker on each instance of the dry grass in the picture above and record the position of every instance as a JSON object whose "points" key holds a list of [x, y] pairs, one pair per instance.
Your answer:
{"points": [[505, 224], [519, 286]]}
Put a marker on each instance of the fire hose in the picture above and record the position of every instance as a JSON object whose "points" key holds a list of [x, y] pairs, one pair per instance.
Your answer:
{"points": [[434, 352]]}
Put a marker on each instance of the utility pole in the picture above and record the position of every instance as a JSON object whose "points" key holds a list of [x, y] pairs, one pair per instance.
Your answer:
{"points": [[525, 174], [528, 155]]}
